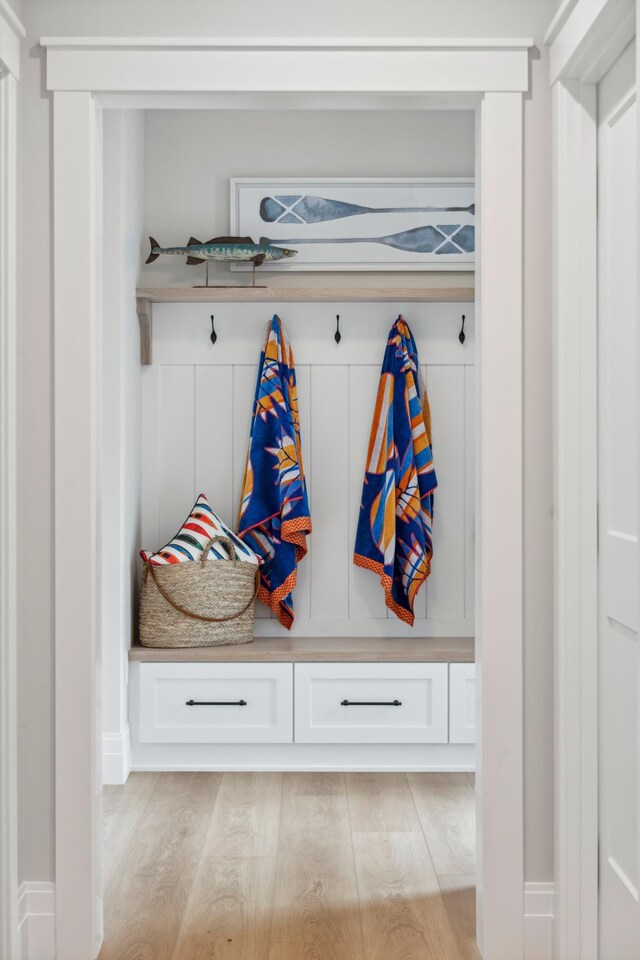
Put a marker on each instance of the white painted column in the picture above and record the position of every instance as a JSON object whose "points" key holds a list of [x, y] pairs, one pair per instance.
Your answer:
{"points": [[11, 35], [499, 618], [77, 295], [8, 514], [120, 443], [576, 528]]}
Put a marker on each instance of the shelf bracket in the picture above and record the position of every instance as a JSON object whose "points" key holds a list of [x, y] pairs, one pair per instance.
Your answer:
{"points": [[144, 320]]}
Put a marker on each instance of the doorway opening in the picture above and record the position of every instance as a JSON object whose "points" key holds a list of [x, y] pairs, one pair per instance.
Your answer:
{"points": [[311, 813], [77, 178]]}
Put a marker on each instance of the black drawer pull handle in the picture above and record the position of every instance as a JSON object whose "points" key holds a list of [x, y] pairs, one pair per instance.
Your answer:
{"points": [[371, 703], [216, 703]]}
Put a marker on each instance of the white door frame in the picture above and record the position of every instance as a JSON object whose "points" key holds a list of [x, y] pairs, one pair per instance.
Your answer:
{"points": [[11, 35], [82, 73], [585, 39]]}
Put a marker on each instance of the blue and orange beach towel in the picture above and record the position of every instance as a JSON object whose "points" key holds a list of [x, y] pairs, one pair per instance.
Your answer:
{"points": [[393, 538], [274, 515]]}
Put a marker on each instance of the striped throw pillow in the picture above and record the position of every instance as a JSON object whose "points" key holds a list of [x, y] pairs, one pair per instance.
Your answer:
{"points": [[200, 526]]}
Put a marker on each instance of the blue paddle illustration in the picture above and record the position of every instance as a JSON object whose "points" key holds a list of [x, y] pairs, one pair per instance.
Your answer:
{"points": [[307, 209], [440, 239]]}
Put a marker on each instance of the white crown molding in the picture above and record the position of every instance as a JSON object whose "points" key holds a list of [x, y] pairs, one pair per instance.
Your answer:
{"points": [[562, 14], [37, 921], [589, 39], [298, 43], [11, 19], [354, 66], [11, 34]]}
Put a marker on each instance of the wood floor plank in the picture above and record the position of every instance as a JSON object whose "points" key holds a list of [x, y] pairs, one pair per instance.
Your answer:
{"points": [[123, 807], [326, 891], [381, 803], [316, 898], [317, 951], [246, 818], [229, 911], [314, 783], [146, 900], [312, 824], [459, 897], [446, 805], [403, 914]]}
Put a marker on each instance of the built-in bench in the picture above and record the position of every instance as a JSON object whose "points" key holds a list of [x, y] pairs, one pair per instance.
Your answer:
{"points": [[306, 703]]}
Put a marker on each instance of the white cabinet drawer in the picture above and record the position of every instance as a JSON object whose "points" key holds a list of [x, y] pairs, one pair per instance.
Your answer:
{"points": [[371, 702], [216, 703], [462, 703]]}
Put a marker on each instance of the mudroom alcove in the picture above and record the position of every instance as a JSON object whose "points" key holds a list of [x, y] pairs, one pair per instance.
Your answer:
{"points": [[181, 427]]}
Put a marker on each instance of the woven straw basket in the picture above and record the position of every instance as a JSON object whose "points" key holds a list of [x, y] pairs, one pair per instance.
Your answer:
{"points": [[199, 604]]}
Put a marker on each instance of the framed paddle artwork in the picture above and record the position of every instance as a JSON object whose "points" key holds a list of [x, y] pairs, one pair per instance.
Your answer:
{"points": [[359, 224]]}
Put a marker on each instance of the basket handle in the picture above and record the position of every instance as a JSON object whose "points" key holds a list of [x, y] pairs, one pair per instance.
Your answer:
{"points": [[229, 544], [199, 616]]}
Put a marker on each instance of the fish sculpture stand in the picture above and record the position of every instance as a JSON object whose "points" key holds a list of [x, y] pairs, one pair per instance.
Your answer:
{"points": [[222, 249]]}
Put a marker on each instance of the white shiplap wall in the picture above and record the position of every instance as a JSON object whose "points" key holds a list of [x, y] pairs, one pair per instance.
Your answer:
{"points": [[197, 401]]}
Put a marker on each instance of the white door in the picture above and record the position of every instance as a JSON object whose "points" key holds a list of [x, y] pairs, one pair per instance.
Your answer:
{"points": [[619, 657]]}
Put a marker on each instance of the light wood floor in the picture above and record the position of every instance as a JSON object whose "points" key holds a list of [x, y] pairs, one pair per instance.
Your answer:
{"points": [[294, 866]]}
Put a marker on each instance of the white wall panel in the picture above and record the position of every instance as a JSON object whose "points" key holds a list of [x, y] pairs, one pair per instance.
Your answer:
{"points": [[150, 493], [302, 593], [214, 438], [176, 438], [244, 384], [445, 586], [198, 400], [331, 543], [469, 491], [181, 332]]}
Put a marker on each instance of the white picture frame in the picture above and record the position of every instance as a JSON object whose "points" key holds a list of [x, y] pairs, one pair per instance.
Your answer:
{"points": [[359, 224]]}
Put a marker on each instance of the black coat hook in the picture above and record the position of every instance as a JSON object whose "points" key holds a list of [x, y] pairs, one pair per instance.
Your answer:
{"points": [[214, 335], [337, 336], [462, 336]]}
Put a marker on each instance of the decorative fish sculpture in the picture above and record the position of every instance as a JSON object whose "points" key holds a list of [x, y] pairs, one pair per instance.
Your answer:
{"points": [[222, 248], [307, 209], [441, 239]]}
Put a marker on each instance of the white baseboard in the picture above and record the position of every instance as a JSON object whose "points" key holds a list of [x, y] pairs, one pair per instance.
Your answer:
{"points": [[402, 757], [116, 756], [36, 921], [538, 921]]}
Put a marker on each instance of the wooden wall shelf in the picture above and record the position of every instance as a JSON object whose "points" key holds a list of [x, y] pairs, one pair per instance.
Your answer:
{"points": [[229, 294], [147, 296], [319, 649]]}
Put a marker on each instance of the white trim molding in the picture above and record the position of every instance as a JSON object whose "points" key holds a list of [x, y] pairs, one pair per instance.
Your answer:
{"points": [[37, 921], [583, 47], [496, 74], [590, 38], [11, 35], [241, 65], [77, 194], [116, 756], [499, 299], [538, 921]]}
